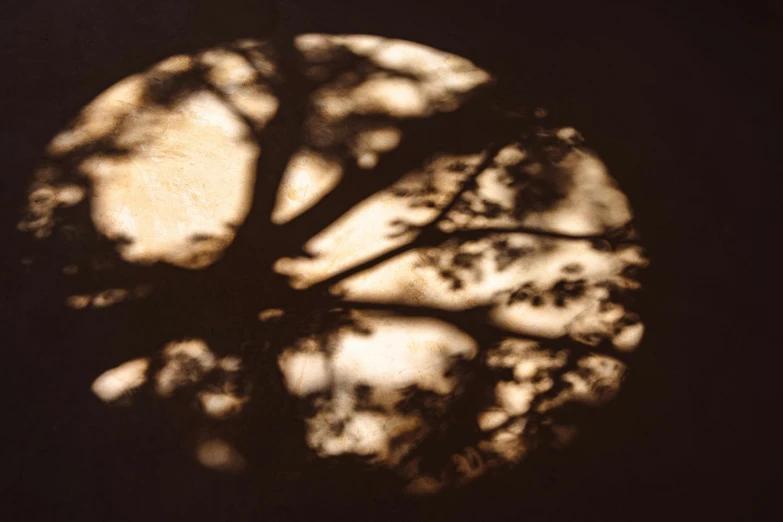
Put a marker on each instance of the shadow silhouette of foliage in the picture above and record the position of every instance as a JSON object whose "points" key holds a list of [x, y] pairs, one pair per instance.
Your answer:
{"points": [[475, 416]]}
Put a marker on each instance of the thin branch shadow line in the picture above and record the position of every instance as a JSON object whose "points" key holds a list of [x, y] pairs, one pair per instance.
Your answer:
{"points": [[470, 183], [418, 241], [428, 238], [255, 130], [473, 234], [361, 184]]}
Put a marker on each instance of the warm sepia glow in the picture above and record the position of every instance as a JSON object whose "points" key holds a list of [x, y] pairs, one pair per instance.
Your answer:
{"points": [[203, 188], [184, 364], [373, 226], [170, 177], [308, 178], [121, 381], [482, 286], [220, 405], [440, 78], [397, 353]]}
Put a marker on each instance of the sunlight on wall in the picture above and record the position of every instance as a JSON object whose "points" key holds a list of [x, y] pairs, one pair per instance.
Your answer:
{"points": [[121, 381], [167, 158], [309, 177], [203, 188], [438, 79], [528, 246], [411, 81], [387, 357], [590, 202], [185, 362], [372, 142], [506, 424], [530, 239], [376, 224], [182, 365]]}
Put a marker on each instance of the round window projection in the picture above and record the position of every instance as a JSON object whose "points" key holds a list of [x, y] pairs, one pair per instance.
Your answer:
{"points": [[343, 246]]}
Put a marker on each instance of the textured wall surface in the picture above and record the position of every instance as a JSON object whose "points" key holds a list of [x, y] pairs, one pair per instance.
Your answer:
{"points": [[290, 260], [504, 257]]}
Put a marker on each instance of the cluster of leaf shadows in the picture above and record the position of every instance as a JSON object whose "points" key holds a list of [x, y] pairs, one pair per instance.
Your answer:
{"points": [[221, 303]]}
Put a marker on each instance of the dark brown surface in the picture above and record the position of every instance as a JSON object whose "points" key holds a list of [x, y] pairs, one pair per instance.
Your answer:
{"points": [[679, 101]]}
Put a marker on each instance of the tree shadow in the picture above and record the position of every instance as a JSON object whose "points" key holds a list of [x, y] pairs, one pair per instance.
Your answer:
{"points": [[465, 239]]}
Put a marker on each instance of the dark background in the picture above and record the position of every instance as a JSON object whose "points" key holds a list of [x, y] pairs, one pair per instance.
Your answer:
{"points": [[681, 100]]}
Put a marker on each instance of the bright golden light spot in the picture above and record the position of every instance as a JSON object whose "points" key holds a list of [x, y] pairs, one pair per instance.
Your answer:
{"points": [[308, 178], [221, 405], [305, 373], [186, 363], [492, 419], [629, 337], [118, 382]]}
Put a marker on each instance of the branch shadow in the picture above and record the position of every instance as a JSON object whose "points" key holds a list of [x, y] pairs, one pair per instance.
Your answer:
{"points": [[234, 280]]}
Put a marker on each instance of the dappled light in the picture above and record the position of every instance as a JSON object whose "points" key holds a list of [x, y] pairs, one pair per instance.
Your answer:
{"points": [[358, 383], [309, 177], [166, 156], [119, 382], [381, 262]]}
